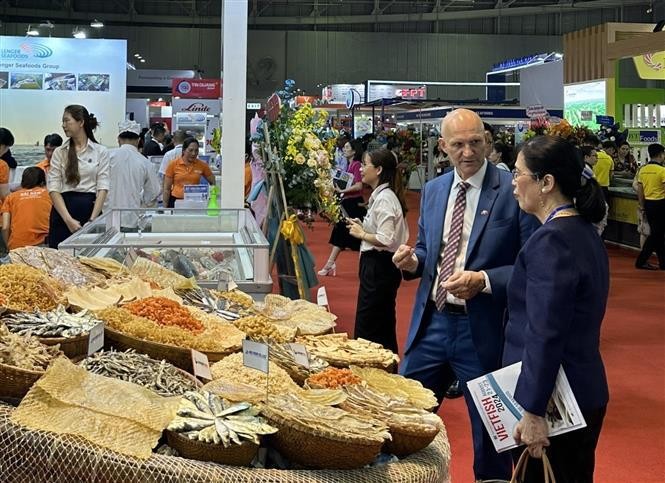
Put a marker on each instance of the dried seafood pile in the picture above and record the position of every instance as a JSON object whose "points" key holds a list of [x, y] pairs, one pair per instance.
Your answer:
{"points": [[208, 418], [307, 317], [324, 420], [107, 266], [237, 299], [55, 323], [149, 270], [231, 369], [397, 386], [63, 267], [261, 329], [333, 378], [340, 351], [283, 356], [218, 338], [210, 302], [158, 376], [165, 312], [25, 352], [97, 298], [26, 289]]}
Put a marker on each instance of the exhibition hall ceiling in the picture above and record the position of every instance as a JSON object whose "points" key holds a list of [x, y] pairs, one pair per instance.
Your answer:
{"points": [[293, 14]]}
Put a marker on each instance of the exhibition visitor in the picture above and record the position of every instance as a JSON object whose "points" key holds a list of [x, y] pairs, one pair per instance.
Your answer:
{"points": [[501, 156], [26, 212], [625, 161], [183, 171], [557, 296], [381, 232], [352, 197], [51, 141], [79, 177], [651, 198]]}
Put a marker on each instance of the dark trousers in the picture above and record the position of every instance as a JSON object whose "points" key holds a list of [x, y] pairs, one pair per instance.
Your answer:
{"points": [[171, 202], [375, 310], [572, 455], [655, 242], [79, 206], [444, 352]]}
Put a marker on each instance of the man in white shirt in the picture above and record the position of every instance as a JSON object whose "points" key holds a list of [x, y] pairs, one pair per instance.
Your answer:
{"points": [[178, 138], [470, 231], [134, 184]]}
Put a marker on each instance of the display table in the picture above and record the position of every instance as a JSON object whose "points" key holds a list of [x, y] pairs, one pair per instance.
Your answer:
{"points": [[39, 456], [622, 217]]}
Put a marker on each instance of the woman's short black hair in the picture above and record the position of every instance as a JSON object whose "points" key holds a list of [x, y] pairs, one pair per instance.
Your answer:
{"points": [[54, 140], [6, 137], [33, 177]]}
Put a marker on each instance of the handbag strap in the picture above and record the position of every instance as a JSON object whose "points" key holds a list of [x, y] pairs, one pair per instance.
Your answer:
{"points": [[520, 468]]}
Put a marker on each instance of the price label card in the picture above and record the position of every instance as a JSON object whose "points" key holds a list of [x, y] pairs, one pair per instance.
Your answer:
{"points": [[226, 282], [130, 258], [201, 365], [322, 297], [300, 354], [255, 355], [96, 338]]}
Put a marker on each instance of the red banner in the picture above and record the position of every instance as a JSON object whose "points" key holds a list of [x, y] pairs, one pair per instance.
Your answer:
{"points": [[196, 88]]}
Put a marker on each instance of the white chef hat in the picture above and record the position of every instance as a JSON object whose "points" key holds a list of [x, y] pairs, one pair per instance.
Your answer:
{"points": [[129, 126]]}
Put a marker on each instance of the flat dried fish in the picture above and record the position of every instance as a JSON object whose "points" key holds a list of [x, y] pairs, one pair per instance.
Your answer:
{"points": [[55, 323]]}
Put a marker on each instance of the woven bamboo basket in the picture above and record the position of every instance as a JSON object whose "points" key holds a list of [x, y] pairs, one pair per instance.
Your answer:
{"points": [[234, 455], [73, 347], [178, 356], [407, 441], [321, 450], [16, 382]]}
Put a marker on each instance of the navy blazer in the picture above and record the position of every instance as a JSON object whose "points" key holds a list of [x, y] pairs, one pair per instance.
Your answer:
{"points": [[499, 230], [556, 303]]}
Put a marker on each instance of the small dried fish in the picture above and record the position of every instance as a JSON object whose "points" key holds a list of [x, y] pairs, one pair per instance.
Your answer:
{"points": [[205, 300], [55, 323], [158, 376]]}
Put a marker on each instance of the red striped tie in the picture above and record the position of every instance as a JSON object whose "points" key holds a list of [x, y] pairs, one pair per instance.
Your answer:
{"points": [[451, 249]]}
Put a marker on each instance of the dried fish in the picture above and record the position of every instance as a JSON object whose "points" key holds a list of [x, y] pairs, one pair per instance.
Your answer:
{"points": [[209, 302], [55, 323], [206, 417], [158, 376], [25, 352]]}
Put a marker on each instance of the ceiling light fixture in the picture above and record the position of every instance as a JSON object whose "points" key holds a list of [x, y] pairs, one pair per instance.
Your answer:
{"points": [[138, 56], [142, 60], [32, 32], [78, 33], [47, 24], [96, 24]]}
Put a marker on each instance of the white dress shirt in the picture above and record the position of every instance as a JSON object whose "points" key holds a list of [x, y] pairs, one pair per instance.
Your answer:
{"points": [[472, 197], [134, 184], [169, 156], [94, 169], [385, 220]]}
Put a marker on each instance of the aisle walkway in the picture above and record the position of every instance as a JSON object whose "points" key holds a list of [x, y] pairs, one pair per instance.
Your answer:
{"points": [[632, 444]]}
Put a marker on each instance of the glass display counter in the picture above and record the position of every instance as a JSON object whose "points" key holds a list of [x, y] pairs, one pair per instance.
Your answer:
{"points": [[228, 244]]}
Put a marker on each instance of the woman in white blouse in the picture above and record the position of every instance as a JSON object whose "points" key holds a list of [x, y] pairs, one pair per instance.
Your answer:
{"points": [[381, 232], [78, 180]]}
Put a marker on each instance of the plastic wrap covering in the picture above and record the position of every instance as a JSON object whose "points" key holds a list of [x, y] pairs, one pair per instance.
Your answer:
{"points": [[117, 415], [27, 455]]}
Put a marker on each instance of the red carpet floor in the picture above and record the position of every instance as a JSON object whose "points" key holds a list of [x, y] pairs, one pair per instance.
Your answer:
{"points": [[632, 444]]}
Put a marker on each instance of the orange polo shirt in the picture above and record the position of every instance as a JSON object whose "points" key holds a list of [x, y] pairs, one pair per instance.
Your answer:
{"points": [[183, 173], [4, 172], [30, 210], [44, 164]]}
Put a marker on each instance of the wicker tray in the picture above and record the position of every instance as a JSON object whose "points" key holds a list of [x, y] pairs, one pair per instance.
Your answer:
{"points": [[235, 455], [16, 382], [319, 451], [73, 347], [408, 441], [178, 356]]}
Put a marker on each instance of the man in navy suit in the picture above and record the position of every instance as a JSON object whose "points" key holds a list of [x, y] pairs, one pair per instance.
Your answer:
{"points": [[469, 233]]}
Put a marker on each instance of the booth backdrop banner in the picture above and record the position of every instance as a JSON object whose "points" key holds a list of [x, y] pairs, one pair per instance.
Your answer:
{"points": [[196, 88], [40, 76]]}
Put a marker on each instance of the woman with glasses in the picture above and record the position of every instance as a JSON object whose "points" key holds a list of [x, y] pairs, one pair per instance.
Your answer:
{"points": [[557, 296], [381, 232]]}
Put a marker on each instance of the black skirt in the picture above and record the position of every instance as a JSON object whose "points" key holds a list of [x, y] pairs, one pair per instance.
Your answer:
{"points": [[79, 206], [340, 236]]}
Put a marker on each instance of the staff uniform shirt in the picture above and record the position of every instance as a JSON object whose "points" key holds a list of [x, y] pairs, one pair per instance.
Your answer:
{"points": [[602, 168], [94, 169], [652, 177], [30, 210], [472, 198], [183, 173], [385, 220], [169, 156], [4, 172], [44, 165], [133, 183]]}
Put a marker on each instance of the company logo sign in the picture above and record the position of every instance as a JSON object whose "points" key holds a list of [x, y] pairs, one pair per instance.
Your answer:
{"points": [[419, 93], [26, 50], [197, 88], [184, 87], [197, 107]]}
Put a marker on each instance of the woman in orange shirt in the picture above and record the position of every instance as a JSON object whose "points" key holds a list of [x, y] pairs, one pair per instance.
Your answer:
{"points": [[185, 170], [25, 213]]}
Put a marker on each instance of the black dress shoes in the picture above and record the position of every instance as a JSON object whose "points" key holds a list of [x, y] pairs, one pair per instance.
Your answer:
{"points": [[454, 391], [646, 266]]}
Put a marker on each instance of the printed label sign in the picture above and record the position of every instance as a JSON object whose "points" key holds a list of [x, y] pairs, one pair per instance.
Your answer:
{"points": [[201, 365], [322, 296], [96, 338], [300, 354], [255, 355], [196, 192]]}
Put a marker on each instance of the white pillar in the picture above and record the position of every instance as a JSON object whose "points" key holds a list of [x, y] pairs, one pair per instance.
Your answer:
{"points": [[234, 74]]}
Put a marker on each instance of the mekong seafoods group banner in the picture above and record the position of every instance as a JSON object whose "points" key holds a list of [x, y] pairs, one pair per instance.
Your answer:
{"points": [[40, 76]]}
